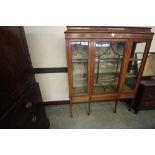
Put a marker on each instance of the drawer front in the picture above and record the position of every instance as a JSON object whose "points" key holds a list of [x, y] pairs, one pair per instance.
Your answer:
{"points": [[148, 93], [148, 104], [25, 111], [39, 121], [80, 99]]}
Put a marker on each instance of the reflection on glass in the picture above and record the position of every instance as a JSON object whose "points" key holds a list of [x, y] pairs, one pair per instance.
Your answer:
{"points": [[134, 65], [108, 61], [80, 66], [149, 69]]}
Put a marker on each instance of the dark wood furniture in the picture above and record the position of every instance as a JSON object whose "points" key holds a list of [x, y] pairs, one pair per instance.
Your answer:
{"points": [[145, 98], [105, 63], [20, 98]]}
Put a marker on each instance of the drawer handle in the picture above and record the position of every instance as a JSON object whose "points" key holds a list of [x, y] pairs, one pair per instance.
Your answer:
{"points": [[34, 118], [29, 105]]}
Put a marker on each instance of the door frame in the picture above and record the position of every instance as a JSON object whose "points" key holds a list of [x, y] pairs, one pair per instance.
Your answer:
{"points": [[70, 67]]}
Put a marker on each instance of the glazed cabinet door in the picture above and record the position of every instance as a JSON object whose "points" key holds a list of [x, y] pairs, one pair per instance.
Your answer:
{"points": [[137, 58], [108, 57], [78, 62]]}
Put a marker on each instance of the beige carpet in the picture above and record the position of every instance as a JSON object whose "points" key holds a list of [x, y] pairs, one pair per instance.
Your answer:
{"points": [[101, 117]]}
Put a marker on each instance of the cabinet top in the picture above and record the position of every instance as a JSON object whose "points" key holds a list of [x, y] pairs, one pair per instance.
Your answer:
{"points": [[108, 29]]}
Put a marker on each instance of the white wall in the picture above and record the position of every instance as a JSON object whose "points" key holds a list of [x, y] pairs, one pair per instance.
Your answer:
{"points": [[152, 49], [47, 49]]}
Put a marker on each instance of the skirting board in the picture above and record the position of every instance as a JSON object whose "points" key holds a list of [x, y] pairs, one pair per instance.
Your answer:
{"points": [[61, 102], [49, 70]]}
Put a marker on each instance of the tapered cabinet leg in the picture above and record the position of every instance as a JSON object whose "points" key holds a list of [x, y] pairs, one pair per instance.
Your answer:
{"points": [[116, 103], [71, 109], [131, 104], [129, 107], [136, 111], [89, 108]]}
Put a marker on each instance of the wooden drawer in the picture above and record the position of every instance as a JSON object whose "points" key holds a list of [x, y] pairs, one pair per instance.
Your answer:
{"points": [[146, 104], [148, 94], [80, 99], [24, 113], [104, 97], [39, 121], [145, 98]]}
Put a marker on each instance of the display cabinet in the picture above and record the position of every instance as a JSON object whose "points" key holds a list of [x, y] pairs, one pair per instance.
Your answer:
{"points": [[105, 63]]}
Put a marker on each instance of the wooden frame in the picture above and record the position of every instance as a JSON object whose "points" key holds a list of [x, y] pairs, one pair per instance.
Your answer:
{"points": [[93, 34]]}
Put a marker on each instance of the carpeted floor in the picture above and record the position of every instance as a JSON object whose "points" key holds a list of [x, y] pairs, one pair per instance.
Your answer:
{"points": [[101, 117]]}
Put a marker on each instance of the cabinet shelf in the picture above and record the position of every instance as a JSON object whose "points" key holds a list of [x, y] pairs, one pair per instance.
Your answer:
{"points": [[79, 60], [130, 76]]}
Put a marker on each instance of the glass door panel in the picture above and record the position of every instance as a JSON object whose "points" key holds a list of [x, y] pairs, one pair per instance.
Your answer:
{"points": [[79, 52], [134, 64], [108, 60]]}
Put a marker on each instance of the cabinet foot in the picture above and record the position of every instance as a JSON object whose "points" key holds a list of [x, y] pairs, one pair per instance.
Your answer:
{"points": [[136, 112], [71, 112], [131, 104], [88, 108]]}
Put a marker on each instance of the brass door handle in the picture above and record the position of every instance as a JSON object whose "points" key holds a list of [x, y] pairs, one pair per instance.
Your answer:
{"points": [[34, 118], [29, 105]]}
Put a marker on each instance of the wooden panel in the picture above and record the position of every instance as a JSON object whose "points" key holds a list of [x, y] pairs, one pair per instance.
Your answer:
{"points": [[149, 94], [15, 68], [108, 29], [150, 104], [145, 98], [19, 93], [106, 35], [124, 65], [102, 97], [112, 96], [145, 55], [80, 99], [27, 112], [92, 66], [127, 95], [22, 111], [69, 64]]}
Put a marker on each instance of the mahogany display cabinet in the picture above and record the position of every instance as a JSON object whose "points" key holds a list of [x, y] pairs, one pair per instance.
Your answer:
{"points": [[105, 63]]}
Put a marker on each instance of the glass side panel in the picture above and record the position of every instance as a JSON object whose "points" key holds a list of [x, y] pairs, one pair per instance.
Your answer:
{"points": [[108, 60], [134, 64], [80, 66]]}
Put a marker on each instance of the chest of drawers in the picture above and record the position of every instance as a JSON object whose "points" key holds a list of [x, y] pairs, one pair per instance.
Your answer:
{"points": [[20, 98], [145, 99], [27, 112]]}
